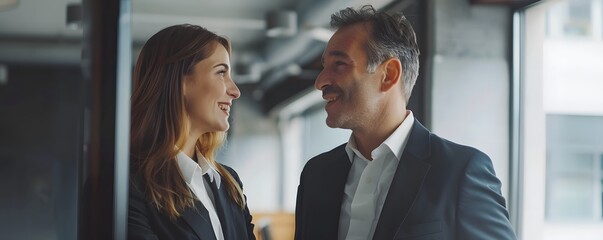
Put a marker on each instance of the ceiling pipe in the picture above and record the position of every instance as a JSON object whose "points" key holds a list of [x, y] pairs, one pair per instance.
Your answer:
{"points": [[8, 4], [217, 22], [42, 52], [74, 16], [3, 74], [281, 23], [314, 17]]}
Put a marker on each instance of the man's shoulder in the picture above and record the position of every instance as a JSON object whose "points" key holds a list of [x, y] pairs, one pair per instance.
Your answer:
{"points": [[331, 154], [445, 150], [326, 166], [449, 145], [422, 135], [328, 158]]}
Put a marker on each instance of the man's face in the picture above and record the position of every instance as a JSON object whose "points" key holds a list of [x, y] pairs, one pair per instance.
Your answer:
{"points": [[351, 92]]}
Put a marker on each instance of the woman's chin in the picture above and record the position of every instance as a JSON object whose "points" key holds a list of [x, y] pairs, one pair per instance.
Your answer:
{"points": [[223, 127]]}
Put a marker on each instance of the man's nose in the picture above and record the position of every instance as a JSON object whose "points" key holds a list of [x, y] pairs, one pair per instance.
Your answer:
{"points": [[321, 81]]}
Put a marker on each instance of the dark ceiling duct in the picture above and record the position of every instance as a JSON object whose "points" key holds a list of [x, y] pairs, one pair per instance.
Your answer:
{"points": [[301, 50]]}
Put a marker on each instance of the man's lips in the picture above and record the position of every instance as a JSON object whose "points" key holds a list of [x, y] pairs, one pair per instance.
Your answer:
{"points": [[329, 98], [331, 93]]}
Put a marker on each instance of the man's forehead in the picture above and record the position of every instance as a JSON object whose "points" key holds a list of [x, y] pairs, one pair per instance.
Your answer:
{"points": [[348, 38], [344, 48], [357, 31], [335, 53]]}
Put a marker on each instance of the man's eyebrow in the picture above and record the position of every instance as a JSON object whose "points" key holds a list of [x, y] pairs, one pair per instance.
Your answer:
{"points": [[339, 54], [335, 53]]}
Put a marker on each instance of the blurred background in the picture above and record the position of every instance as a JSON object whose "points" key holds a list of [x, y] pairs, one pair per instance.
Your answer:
{"points": [[521, 80]]}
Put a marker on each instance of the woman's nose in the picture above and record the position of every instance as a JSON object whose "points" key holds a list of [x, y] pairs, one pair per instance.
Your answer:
{"points": [[233, 90]]}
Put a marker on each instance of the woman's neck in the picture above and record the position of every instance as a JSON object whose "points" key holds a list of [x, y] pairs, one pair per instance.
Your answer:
{"points": [[189, 146]]}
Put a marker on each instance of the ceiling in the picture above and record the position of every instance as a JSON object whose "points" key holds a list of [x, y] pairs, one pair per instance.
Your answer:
{"points": [[35, 31]]}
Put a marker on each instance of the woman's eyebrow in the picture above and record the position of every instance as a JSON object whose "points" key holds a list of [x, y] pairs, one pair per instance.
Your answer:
{"points": [[221, 64]]}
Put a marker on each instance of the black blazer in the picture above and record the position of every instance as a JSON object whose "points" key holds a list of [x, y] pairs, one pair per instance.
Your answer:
{"points": [[146, 222], [441, 190]]}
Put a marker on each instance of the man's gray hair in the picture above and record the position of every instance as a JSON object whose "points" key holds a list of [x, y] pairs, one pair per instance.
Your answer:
{"points": [[392, 36]]}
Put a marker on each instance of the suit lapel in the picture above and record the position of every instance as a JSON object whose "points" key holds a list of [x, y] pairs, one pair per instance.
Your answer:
{"points": [[198, 220], [406, 184], [332, 190], [223, 209]]}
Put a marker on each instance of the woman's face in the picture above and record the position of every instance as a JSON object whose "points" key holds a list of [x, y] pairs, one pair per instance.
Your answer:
{"points": [[209, 91]]}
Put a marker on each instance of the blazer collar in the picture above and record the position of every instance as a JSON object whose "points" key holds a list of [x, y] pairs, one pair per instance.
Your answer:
{"points": [[419, 142], [188, 167], [408, 181], [332, 189], [198, 217], [223, 208]]}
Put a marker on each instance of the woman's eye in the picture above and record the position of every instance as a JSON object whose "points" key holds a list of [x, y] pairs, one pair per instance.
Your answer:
{"points": [[222, 73]]}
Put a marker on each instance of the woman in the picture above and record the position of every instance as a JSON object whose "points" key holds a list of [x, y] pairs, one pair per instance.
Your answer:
{"points": [[180, 107]]}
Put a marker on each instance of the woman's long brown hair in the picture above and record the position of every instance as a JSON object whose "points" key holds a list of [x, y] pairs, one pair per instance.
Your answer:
{"points": [[158, 116]]}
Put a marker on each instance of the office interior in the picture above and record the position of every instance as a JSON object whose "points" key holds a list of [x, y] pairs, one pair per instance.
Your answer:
{"points": [[521, 80]]}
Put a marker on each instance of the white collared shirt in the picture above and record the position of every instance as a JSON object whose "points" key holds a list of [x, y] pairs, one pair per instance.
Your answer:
{"points": [[368, 183], [193, 175]]}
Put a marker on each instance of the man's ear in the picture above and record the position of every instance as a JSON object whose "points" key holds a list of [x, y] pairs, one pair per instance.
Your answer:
{"points": [[393, 71]]}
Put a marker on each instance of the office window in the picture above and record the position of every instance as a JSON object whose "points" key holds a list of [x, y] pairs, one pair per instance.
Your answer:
{"points": [[601, 183], [306, 135], [318, 137], [574, 19], [573, 168], [314, 137], [560, 120]]}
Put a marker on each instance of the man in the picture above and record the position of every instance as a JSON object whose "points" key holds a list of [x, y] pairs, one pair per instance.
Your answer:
{"points": [[393, 179]]}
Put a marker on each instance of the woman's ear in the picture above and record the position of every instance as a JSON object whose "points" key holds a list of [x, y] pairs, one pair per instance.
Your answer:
{"points": [[393, 71], [185, 82]]}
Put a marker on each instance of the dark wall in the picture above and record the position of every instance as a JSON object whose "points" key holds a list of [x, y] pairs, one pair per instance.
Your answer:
{"points": [[41, 116]]}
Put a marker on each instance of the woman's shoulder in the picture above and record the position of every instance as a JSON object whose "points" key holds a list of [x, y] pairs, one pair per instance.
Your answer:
{"points": [[136, 183], [232, 172], [228, 168]]}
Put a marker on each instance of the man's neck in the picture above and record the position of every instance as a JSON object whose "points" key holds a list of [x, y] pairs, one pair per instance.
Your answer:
{"points": [[375, 133]]}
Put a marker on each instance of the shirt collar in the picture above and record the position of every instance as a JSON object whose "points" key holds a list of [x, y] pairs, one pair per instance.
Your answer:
{"points": [[189, 167], [396, 142]]}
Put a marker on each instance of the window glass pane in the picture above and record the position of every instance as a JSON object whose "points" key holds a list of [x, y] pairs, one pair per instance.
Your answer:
{"points": [[570, 198], [572, 178], [570, 19], [561, 120], [564, 162], [578, 23], [316, 128], [42, 99], [573, 110]]}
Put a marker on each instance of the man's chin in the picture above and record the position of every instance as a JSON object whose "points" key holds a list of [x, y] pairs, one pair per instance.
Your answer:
{"points": [[332, 123]]}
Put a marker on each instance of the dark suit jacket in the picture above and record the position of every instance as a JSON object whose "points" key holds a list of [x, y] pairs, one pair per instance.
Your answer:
{"points": [[146, 222], [441, 190]]}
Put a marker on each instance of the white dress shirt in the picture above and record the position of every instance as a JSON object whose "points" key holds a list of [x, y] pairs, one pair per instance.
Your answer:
{"points": [[368, 183], [193, 175]]}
